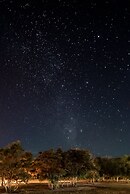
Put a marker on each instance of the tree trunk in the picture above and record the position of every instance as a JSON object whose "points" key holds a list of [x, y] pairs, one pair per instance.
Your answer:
{"points": [[2, 181]]}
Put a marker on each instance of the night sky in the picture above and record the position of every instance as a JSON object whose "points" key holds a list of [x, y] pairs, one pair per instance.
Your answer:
{"points": [[65, 75]]}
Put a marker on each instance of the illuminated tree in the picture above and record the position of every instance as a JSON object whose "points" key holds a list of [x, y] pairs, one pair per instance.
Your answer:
{"points": [[49, 166], [93, 175], [14, 164]]}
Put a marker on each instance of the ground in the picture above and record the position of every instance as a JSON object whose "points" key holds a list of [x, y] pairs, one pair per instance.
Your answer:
{"points": [[82, 188]]}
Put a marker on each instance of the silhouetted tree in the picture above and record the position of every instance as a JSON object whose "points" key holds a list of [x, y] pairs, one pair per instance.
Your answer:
{"points": [[77, 162]]}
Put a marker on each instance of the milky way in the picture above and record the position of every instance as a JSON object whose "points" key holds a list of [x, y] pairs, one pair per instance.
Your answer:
{"points": [[65, 75]]}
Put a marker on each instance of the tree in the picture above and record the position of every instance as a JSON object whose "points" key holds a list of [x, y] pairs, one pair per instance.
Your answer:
{"points": [[49, 166], [114, 167], [93, 175], [77, 162], [105, 167], [124, 165], [14, 163]]}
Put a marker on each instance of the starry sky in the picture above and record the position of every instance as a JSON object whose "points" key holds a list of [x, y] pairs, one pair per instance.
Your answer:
{"points": [[65, 75]]}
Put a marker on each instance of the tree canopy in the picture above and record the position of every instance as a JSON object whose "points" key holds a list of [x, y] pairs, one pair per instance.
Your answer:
{"points": [[14, 162], [17, 165]]}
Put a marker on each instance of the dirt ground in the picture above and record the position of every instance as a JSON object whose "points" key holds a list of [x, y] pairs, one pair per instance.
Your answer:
{"points": [[81, 188]]}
